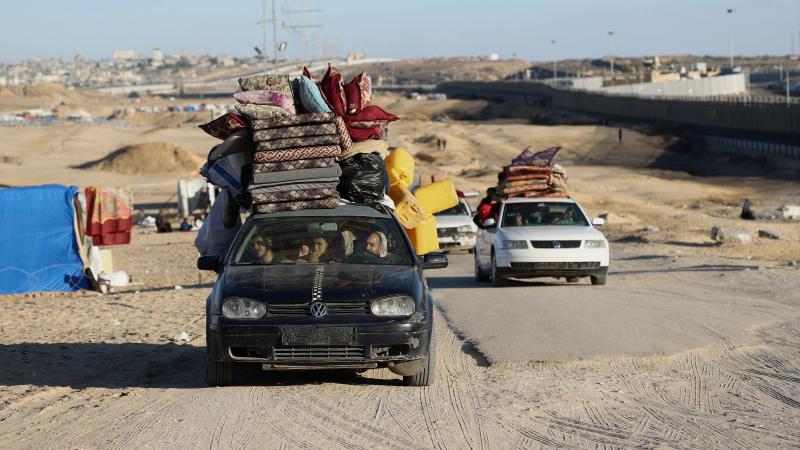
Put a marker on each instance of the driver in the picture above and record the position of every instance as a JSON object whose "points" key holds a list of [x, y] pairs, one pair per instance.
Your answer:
{"points": [[377, 245]]}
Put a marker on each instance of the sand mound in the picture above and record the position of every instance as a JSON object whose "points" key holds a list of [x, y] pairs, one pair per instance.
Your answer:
{"points": [[148, 159]]}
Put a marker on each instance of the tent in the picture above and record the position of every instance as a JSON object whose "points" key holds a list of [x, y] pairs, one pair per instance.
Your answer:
{"points": [[41, 246]]}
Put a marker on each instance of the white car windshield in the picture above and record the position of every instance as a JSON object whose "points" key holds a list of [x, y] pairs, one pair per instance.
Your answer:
{"points": [[543, 214], [459, 210]]}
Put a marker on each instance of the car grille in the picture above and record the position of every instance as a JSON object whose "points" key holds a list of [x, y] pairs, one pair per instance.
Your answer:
{"points": [[334, 309], [554, 265], [551, 244], [446, 232], [316, 353]]}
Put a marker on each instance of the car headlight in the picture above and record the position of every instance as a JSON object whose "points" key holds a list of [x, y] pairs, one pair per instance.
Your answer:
{"points": [[464, 229], [594, 243], [243, 308], [507, 245], [393, 306]]}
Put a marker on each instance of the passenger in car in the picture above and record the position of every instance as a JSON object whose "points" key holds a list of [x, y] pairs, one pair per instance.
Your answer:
{"points": [[262, 249]]}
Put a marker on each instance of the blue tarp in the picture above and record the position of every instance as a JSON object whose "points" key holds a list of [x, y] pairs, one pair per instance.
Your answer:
{"points": [[38, 247]]}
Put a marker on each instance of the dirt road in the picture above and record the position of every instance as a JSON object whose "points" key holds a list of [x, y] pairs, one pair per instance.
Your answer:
{"points": [[107, 371]]}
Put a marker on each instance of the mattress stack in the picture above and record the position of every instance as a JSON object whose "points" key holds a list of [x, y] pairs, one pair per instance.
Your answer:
{"points": [[294, 159], [294, 164], [533, 174]]}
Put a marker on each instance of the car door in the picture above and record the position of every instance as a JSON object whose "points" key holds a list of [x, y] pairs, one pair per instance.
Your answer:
{"points": [[485, 239]]}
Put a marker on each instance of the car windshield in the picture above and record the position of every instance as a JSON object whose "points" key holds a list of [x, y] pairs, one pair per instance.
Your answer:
{"points": [[329, 240], [542, 214], [458, 210]]}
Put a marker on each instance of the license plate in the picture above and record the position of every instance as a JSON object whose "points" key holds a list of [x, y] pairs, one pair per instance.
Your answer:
{"points": [[317, 335]]}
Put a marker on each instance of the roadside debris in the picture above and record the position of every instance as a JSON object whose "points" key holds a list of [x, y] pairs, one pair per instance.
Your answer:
{"points": [[789, 212], [770, 234], [730, 235]]}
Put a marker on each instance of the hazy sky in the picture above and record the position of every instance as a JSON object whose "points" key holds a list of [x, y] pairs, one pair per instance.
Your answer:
{"points": [[401, 28]]}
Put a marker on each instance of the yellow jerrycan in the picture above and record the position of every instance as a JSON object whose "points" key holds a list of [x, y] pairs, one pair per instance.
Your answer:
{"points": [[415, 212]]}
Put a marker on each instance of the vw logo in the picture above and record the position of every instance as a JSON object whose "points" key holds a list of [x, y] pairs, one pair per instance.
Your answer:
{"points": [[556, 244], [318, 309]]}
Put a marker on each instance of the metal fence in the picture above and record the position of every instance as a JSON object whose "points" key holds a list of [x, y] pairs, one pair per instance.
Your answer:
{"points": [[739, 114]]}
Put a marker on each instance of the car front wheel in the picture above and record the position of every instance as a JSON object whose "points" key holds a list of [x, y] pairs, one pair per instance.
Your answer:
{"points": [[426, 376], [599, 280], [480, 274], [495, 274]]}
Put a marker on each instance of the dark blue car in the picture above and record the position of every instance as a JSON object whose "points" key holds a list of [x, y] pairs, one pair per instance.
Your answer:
{"points": [[321, 289]]}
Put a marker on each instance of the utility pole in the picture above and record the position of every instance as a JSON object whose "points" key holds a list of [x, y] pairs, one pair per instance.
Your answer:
{"points": [[263, 23], [731, 13], [611, 50], [555, 67], [301, 29]]}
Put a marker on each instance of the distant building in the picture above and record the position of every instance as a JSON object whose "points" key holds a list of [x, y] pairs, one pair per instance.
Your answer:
{"points": [[158, 58], [123, 55], [493, 57]]}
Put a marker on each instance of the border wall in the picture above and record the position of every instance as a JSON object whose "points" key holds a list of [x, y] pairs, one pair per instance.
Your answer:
{"points": [[734, 114]]}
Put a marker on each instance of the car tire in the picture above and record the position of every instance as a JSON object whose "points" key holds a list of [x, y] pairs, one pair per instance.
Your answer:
{"points": [[426, 376], [480, 274], [219, 373], [599, 280], [572, 279], [497, 277]]}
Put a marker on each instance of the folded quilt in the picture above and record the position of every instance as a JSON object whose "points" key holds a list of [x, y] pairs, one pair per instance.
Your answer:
{"points": [[292, 195], [286, 176], [299, 119], [281, 185], [317, 129], [304, 141], [294, 165], [293, 186], [515, 170], [325, 203], [272, 98], [344, 136], [260, 111], [508, 190], [291, 154], [528, 176]]}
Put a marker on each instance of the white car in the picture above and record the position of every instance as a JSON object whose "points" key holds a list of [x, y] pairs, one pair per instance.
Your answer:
{"points": [[455, 227], [541, 237]]}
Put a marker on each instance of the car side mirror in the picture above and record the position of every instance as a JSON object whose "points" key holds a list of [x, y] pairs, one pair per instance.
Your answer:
{"points": [[598, 221], [208, 262], [434, 261], [489, 223]]}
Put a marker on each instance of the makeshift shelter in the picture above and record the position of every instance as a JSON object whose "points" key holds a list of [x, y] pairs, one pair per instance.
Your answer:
{"points": [[40, 240]]}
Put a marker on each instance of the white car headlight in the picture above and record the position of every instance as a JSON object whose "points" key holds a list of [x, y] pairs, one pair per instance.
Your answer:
{"points": [[594, 243], [464, 229], [508, 245], [393, 306], [243, 308]]}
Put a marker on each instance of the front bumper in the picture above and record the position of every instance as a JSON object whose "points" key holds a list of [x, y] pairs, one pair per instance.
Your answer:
{"points": [[464, 241], [329, 346], [531, 263]]}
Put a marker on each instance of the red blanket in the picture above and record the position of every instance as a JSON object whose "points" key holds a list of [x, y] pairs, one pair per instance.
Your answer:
{"points": [[109, 217]]}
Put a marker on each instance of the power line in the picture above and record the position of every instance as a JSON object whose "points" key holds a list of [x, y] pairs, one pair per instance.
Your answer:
{"points": [[302, 27]]}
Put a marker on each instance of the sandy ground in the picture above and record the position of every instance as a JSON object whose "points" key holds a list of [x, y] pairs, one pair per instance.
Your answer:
{"points": [[690, 345], [580, 370]]}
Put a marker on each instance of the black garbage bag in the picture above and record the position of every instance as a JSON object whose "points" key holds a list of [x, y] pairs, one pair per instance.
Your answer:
{"points": [[363, 178]]}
